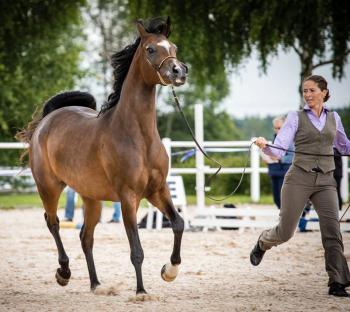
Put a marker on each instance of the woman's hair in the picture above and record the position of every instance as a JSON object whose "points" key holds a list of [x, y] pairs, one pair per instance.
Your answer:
{"points": [[321, 83]]}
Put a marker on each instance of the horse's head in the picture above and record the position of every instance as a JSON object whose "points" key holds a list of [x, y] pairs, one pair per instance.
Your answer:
{"points": [[158, 55]]}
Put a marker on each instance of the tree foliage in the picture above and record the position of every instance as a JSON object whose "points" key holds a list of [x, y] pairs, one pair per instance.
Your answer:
{"points": [[344, 114], [255, 127], [116, 28], [108, 21], [215, 36], [218, 125], [39, 56]]}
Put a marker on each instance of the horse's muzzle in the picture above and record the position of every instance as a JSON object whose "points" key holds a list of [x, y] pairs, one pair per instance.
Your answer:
{"points": [[179, 72]]}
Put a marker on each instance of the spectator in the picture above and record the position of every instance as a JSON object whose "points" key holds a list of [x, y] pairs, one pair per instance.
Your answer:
{"points": [[277, 168], [70, 206], [338, 174]]}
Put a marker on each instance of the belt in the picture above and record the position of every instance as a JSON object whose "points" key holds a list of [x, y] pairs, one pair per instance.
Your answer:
{"points": [[316, 169]]}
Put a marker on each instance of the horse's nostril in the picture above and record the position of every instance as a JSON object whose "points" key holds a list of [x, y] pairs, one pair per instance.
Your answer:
{"points": [[185, 67], [175, 69]]}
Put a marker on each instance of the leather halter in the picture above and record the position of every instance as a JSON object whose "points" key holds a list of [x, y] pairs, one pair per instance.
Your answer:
{"points": [[158, 67]]}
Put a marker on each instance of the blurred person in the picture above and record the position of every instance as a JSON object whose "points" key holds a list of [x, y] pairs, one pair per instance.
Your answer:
{"points": [[278, 167], [70, 206], [338, 174]]}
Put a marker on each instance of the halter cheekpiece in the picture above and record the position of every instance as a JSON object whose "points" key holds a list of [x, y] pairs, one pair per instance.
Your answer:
{"points": [[158, 67]]}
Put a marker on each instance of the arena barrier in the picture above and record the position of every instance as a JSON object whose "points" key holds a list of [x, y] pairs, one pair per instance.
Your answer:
{"points": [[253, 170], [243, 218]]}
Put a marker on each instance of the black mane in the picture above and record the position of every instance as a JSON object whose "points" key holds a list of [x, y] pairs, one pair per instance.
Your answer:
{"points": [[121, 60]]}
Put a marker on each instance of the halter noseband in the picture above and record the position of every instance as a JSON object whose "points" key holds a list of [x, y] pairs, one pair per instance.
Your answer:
{"points": [[158, 67]]}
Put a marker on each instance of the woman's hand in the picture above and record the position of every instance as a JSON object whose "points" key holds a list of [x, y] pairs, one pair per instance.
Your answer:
{"points": [[261, 142]]}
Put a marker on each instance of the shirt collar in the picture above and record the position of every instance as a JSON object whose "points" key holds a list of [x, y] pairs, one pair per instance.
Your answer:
{"points": [[307, 108]]}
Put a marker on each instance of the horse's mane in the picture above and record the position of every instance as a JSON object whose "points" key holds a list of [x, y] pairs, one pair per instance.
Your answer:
{"points": [[121, 60]]}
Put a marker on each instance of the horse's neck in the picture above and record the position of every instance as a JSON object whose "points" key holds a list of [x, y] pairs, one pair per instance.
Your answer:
{"points": [[136, 107]]}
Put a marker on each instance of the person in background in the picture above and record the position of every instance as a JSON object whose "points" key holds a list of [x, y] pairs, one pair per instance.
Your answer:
{"points": [[338, 174], [70, 206], [314, 130], [277, 168], [116, 213]]}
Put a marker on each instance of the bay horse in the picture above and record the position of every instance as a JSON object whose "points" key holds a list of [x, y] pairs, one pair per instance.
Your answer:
{"points": [[116, 155]]}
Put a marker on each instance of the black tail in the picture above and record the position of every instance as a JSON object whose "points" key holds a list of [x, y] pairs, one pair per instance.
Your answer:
{"points": [[70, 98], [64, 99]]}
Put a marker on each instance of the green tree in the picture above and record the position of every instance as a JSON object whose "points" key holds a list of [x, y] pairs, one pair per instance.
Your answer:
{"points": [[108, 21], [344, 113], [39, 56], [255, 126], [317, 30], [216, 35], [218, 125]]}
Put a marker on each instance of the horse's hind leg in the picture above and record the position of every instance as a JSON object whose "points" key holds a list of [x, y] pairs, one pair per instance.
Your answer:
{"points": [[50, 193], [92, 214], [162, 200]]}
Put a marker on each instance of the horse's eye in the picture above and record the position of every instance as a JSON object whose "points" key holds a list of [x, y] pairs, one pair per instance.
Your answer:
{"points": [[150, 50]]}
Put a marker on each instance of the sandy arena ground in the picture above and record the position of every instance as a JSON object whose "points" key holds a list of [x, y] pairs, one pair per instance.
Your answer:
{"points": [[215, 274]]}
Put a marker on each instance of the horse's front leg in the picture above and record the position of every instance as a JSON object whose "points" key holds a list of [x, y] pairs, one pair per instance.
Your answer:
{"points": [[129, 204], [162, 200]]}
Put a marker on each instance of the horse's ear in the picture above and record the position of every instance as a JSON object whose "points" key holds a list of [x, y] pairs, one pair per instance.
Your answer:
{"points": [[141, 28], [167, 31]]}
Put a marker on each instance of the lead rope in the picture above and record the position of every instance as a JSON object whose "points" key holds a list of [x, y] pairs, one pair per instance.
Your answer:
{"points": [[246, 161], [207, 156]]}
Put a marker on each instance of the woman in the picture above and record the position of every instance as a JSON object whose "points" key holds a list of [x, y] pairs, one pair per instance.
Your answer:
{"points": [[314, 130]]}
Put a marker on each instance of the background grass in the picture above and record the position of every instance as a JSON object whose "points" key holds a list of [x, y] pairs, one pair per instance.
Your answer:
{"points": [[22, 201], [236, 200]]}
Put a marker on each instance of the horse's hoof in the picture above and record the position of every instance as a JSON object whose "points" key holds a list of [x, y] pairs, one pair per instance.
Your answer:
{"points": [[169, 272], [94, 286], [61, 277], [141, 292]]}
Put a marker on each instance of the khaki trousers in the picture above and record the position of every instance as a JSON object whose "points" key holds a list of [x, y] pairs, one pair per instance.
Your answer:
{"points": [[298, 187]]}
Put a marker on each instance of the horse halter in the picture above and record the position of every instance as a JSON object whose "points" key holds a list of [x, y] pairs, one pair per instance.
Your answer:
{"points": [[158, 67]]}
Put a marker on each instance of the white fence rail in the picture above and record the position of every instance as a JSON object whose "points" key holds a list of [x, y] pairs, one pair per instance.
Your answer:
{"points": [[200, 170], [254, 169], [11, 172]]}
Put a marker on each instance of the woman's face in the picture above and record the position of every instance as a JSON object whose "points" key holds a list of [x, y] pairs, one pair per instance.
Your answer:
{"points": [[313, 95]]}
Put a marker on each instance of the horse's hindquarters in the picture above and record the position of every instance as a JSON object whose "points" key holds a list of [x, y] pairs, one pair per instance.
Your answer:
{"points": [[65, 148]]}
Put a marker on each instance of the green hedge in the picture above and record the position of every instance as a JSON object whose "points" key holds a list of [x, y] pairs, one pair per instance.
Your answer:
{"points": [[223, 183]]}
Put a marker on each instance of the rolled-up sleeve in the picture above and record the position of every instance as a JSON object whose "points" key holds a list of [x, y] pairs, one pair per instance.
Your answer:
{"points": [[341, 141], [285, 136]]}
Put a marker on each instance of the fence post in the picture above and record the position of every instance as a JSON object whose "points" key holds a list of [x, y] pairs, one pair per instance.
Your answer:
{"points": [[200, 177], [255, 174], [344, 186], [167, 145]]}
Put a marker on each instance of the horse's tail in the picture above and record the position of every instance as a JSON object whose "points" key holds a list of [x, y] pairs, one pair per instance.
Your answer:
{"points": [[64, 99]]}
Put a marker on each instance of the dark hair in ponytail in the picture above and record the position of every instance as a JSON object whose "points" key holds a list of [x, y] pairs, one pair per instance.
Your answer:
{"points": [[321, 83]]}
